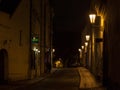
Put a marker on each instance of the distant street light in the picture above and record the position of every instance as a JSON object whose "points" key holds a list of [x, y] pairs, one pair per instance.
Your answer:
{"points": [[86, 44], [53, 50], [79, 50], [87, 37], [80, 53], [82, 47], [52, 56]]}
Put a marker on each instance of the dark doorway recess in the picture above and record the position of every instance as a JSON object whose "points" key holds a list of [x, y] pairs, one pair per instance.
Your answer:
{"points": [[3, 66]]}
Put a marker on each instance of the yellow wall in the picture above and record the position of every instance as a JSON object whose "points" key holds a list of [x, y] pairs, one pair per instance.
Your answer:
{"points": [[10, 27]]}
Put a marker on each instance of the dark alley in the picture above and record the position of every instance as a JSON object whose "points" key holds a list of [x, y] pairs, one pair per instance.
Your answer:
{"points": [[60, 44]]}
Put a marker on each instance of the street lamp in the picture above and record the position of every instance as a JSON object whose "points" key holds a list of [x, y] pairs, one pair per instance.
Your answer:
{"points": [[92, 17], [53, 50], [79, 50], [80, 53], [87, 37], [88, 55], [52, 56], [82, 47], [86, 44], [86, 51]]}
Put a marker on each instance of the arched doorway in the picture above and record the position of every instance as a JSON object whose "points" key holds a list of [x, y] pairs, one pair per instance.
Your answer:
{"points": [[3, 65]]}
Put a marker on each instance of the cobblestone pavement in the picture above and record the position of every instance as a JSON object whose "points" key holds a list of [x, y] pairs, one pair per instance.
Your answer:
{"points": [[62, 79], [88, 81]]}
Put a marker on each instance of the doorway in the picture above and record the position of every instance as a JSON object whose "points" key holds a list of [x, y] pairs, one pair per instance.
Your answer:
{"points": [[3, 65]]}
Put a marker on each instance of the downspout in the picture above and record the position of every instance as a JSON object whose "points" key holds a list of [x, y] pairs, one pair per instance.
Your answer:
{"points": [[40, 36], [51, 35], [44, 32], [30, 46]]}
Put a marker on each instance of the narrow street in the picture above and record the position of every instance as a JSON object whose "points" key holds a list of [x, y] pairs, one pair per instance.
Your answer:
{"points": [[62, 79], [59, 44], [78, 78]]}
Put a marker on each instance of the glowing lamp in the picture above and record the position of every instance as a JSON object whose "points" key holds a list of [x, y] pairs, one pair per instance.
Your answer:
{"points": [[87, 37], [92, 18]]}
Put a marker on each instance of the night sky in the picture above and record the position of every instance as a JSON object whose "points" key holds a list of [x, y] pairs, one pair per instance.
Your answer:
{"points": [[70, 17]]}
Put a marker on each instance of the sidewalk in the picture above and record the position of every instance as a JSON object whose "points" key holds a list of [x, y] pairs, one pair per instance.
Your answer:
{"points": [[87, 80], [22, 83]]}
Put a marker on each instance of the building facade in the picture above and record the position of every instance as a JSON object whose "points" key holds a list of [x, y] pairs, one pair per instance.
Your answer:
{"points": [[106, 42], [25, 37]]}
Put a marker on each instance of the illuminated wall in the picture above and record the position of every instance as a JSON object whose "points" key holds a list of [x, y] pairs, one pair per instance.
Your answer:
{"points": [[110, 22], [15, 31]]}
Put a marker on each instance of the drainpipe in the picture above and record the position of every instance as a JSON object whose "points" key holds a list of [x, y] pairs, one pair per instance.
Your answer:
{"points": [[30, 35], [51, 35]]}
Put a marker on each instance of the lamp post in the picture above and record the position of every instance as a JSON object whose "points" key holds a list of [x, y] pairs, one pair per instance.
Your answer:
{"points": [[80, 55], [52, 56], [86, 54], [83, 56], [88, 51], [92, 17]]}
